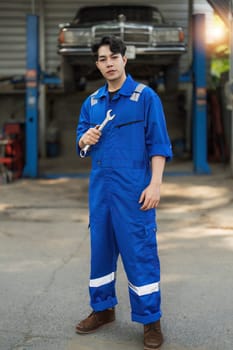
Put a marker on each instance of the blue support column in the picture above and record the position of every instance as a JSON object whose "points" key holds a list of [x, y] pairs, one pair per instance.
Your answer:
{"points": [[199, 97], [32, 95]]}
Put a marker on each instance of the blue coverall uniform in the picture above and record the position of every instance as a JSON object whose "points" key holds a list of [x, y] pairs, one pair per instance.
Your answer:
{"points": [[120, 172]]}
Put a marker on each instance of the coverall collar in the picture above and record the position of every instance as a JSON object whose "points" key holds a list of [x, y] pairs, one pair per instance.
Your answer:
{"points": [[127, 88]]}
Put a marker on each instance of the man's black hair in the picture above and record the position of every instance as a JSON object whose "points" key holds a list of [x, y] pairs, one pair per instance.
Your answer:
{"points": [[115, 44]]}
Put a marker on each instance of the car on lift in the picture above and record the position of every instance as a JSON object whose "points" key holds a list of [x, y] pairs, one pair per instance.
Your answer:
{"points": [[154, 46]]}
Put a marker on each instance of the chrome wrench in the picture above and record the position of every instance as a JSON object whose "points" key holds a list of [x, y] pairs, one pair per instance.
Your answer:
{"points": [[108, 117]]}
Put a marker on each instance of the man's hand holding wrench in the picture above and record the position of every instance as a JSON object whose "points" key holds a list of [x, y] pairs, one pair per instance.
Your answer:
{"points": [[92, 136]]}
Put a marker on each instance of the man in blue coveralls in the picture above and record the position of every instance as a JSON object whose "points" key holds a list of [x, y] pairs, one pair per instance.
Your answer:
{"points": [[128, 159]]}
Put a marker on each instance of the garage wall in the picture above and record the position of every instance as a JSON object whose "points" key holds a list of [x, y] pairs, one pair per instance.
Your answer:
{"points": [[13, 28], [12, 36]]}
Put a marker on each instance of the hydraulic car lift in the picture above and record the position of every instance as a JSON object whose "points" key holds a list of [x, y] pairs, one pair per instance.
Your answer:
{"points": [[32, 97], [199, 97], [199, 123]]}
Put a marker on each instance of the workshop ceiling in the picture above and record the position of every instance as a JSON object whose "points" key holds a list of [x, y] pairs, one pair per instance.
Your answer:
{"points": [[222, 7]]}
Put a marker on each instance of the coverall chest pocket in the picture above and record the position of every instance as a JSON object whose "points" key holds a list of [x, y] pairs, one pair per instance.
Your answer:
{"points": [[131, 134]]}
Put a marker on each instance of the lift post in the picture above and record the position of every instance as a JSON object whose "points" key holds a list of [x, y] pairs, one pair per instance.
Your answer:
{"points": [[199, 97], [32, 96]]}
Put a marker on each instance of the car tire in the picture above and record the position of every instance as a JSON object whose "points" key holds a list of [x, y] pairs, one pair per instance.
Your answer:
{"points": [[67, 75], [171, 77]]}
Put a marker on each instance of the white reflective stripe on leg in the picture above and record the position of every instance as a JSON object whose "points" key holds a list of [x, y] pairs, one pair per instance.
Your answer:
{"points": [[147, 289], [97, 282]]}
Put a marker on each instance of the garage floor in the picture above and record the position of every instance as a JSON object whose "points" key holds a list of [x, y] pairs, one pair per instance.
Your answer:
{"points": [[44, 266]]}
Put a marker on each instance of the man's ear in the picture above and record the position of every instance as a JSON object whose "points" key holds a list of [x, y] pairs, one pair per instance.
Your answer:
{"points": [[96, 63], [124, 60]]}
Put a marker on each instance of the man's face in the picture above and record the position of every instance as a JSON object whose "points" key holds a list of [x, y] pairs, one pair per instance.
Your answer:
{"points": [[111, 65]]}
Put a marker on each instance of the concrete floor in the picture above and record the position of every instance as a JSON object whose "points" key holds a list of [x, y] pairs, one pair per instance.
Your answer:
{"points": [[44, 265]]}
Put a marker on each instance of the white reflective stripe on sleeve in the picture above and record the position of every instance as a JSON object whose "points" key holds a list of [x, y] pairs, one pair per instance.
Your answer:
{"points": [[147, 289], [97, 282], [93, 100], [136, 94]]}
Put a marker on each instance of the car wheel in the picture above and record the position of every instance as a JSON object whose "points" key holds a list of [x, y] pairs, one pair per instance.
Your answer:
{"points": [[153, 83], [171, 77], [67, 75], [80, 81]]}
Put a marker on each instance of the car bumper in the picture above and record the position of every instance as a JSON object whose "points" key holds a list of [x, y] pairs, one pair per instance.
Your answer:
{"points": [[138, 51]]}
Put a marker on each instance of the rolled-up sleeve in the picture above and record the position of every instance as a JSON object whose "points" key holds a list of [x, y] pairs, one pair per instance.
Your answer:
{"points": [[157, 138]]}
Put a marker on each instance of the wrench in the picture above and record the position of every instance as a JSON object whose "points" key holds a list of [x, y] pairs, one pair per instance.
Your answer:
{"points": [[108, 117]]}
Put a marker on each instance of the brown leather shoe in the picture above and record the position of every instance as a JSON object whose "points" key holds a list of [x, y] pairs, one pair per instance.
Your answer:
{"points": [[153, 336], [95, 320]]}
